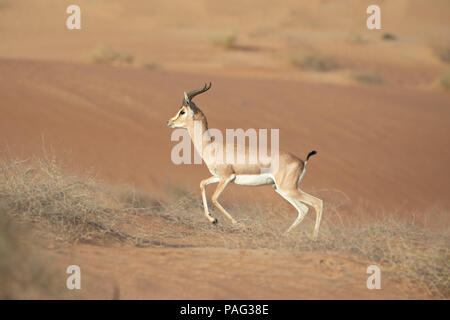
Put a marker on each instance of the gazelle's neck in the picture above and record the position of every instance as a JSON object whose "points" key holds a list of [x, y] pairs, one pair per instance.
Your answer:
{"points": [[200, 135]]}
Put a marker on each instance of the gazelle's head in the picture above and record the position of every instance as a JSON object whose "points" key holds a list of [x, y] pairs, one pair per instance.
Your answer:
{"points": [[188, 112]]}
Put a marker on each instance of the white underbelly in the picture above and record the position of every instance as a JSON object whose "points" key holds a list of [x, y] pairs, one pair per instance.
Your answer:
{"points": [[254, 179]]}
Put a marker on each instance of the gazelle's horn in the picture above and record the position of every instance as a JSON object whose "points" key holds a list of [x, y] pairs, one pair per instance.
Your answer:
{"points": [[191, 94]]}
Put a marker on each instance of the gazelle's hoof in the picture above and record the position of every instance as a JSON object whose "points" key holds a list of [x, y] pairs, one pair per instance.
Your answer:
{"points": [[214, 221]]}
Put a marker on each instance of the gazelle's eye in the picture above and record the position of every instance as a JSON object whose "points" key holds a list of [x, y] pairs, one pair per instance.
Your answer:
{"points": [[182, 112]]}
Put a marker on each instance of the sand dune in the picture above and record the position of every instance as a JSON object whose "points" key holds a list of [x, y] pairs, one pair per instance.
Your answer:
{"points": [[385, 146]]}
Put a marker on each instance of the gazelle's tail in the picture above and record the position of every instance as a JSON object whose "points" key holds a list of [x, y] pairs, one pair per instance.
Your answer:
{"points": [[304, 167]]}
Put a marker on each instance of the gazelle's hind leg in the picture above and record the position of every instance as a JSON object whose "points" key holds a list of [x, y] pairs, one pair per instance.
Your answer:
{"points": [[301, 208], [317, 204]]}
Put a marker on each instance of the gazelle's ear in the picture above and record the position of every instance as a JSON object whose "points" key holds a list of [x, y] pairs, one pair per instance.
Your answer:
{"points": [[186, 98]]}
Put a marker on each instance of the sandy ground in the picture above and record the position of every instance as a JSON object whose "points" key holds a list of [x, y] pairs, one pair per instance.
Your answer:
{"points": [[380, 148], [225, 274]]}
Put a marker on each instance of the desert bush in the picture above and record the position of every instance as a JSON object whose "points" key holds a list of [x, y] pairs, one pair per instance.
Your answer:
{"points": [[78, 208], [444, 80], [106, 55], [415, 255], [129, 198], [314, 62], [69, 208], [152, 66], [225, 41], [411, 252], [368, 78], [388, 36], [356, 38], [442, 51]]}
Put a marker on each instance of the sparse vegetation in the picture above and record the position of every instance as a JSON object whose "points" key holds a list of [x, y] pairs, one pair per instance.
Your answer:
{"points": [[106, 55], [225, 41], [314, 62], [152, 66], [410, 251], [444, 80], [357, 38], [389, 36], [443, 52], [71, 209], [368, 78], [68, 208], [131, 198]]}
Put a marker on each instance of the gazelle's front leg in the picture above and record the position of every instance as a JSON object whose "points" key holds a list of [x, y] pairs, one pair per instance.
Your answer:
{"points": [[220, 187], [203, 184]]}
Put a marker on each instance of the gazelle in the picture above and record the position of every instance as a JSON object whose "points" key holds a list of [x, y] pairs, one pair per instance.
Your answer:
{"points": [[285, 178]]}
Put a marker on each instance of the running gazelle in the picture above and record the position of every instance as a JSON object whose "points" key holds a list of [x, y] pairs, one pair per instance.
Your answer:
{"points": [[285, 178]]}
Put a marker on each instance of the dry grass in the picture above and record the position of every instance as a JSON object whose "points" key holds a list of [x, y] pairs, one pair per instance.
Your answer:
{"points": [[224, 41], [388, 36], [368, 78], [152, 66], [443, 81], [68, 208], [106, 55], [442, 51], [357, 38], [314, 62], [71, 209], [411, 251]]}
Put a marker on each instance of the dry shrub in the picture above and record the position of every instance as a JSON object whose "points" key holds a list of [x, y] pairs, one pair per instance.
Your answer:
{"points": [[106, 55], [72, 209], [130, 198], [368, 78], [314, 62], [152, 66], [414, 254], [69, 208], [357, 38], [442, 51], [409, 250], [388, 36], [444, 81], [225, 41]]}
